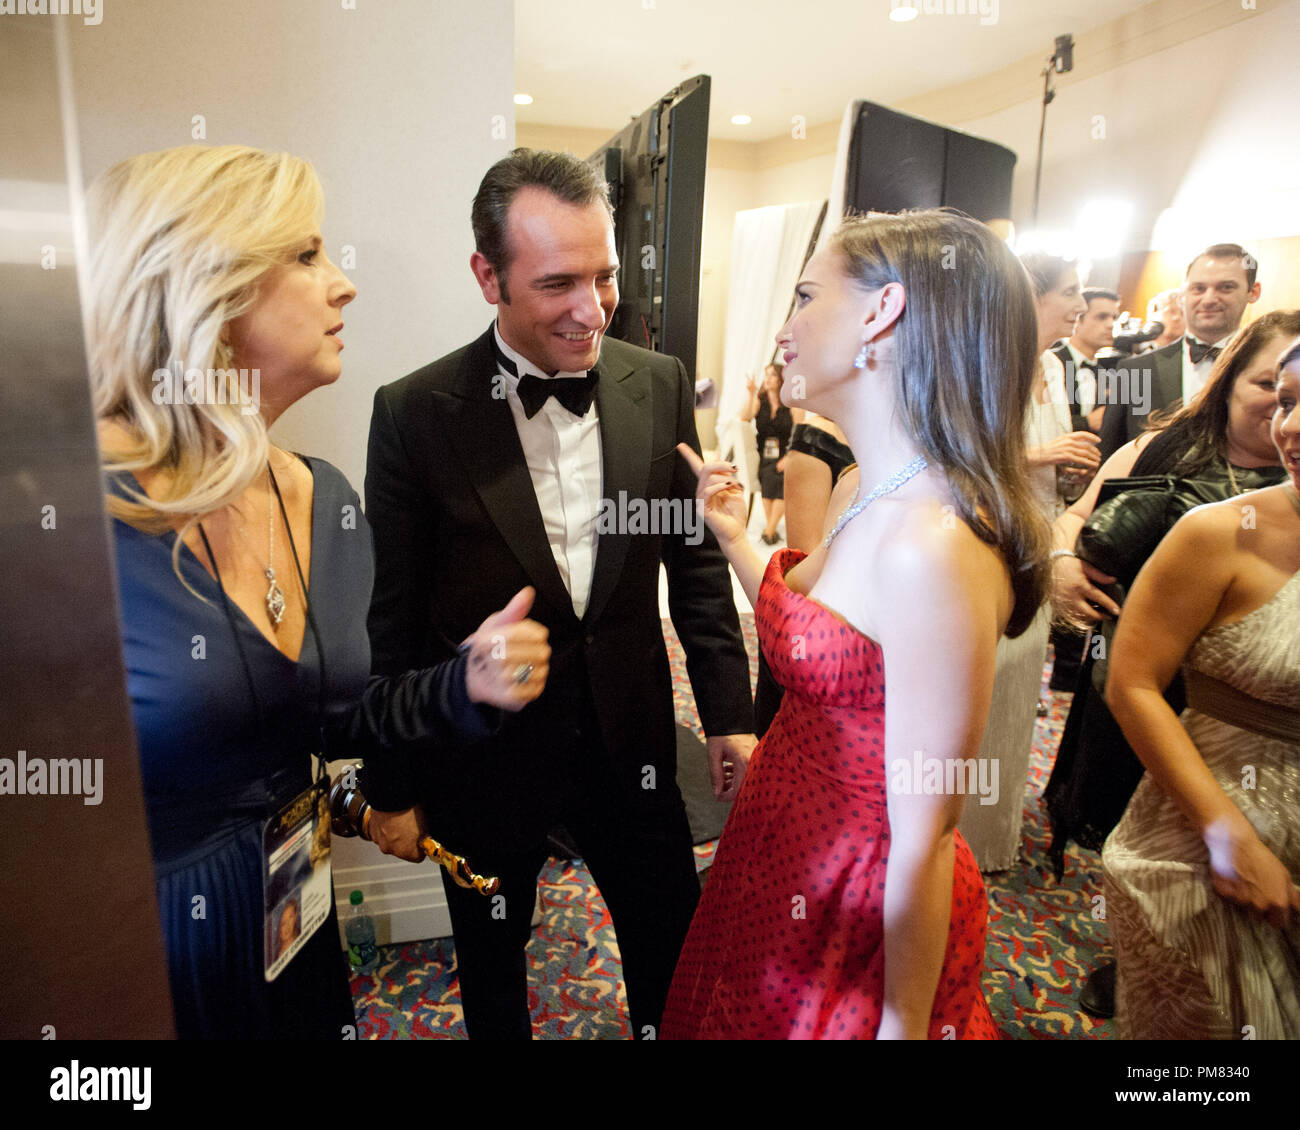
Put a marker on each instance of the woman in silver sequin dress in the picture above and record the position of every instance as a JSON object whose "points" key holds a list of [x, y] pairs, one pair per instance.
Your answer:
{"points": [[1200, 873]]}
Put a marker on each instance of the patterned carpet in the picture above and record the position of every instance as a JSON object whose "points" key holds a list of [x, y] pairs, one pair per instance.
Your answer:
{"points": [[1042, 939]]}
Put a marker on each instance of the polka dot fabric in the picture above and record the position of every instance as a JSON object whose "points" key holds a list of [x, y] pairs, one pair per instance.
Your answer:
{"points": [[788, 940]]}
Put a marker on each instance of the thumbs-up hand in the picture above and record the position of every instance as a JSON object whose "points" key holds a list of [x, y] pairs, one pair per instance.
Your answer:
{"points": [[509, 656]]}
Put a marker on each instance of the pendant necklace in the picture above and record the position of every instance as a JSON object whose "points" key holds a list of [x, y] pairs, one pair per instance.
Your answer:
{"points": [[274, 594], [896, 480]]}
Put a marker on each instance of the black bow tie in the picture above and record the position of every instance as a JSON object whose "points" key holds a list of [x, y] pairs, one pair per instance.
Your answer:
{"points": [[1198, 351], [575, 393]]}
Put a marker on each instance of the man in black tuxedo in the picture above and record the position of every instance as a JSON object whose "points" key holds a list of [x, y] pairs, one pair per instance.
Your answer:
{"points": [[1218, 286], [1094, 331], [543, 455]]}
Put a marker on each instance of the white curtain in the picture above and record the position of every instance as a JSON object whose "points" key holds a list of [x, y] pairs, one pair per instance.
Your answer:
{"points": [[767, 253]]}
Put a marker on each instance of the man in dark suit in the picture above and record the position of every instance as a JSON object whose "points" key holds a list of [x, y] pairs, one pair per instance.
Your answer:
{"points": [[543, 455], [1218, 286], [1093, 331]]}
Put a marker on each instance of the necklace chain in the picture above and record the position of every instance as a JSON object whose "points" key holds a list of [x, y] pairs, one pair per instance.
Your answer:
{"points": [[275, 603], [1232, 479], [891, 484]]}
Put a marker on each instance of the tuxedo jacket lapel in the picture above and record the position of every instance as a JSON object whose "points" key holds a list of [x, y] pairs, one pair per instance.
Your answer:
{"points": [[1168, 375], [625, 436], [482, 430]]}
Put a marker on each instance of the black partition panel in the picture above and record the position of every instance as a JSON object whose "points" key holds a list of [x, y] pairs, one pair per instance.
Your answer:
{"points": [[655, 169], [896, 162], [82, 942]]}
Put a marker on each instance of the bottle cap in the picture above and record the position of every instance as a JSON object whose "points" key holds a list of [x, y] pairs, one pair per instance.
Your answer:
{"points": [[356, 898]]}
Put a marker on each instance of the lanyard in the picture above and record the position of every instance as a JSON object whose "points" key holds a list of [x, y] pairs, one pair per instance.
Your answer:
{"points": [[311, 622]]}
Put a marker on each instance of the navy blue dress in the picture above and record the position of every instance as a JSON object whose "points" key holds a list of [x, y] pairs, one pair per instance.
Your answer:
{"points": [[213, 774]]}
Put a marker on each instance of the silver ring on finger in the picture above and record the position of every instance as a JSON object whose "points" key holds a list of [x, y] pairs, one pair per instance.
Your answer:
{"points": [[523, 673]]}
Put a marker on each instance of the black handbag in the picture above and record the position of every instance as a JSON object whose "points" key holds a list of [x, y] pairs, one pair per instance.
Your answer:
{"points": [[1133, 515], [1130, 519]]}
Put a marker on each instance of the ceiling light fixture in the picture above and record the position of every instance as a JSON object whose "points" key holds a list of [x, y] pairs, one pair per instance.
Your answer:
{"points": [[900, 13], [740, 119], [523, 99]]}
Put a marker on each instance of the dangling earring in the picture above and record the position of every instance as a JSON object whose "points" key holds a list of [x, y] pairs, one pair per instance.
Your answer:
{"points": [[864, 355]]}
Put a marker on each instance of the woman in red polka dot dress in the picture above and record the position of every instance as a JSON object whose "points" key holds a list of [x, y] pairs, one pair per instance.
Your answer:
{"points": [[843, 903]]}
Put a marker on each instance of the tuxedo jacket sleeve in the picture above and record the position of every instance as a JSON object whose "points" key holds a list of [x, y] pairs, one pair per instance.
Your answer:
{"points": [[1138, 386], [427, 707], [702, 604], [424, 709]]}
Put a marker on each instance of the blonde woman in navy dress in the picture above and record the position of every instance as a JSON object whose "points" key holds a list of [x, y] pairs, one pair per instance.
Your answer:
{"points": [[245, 571]]}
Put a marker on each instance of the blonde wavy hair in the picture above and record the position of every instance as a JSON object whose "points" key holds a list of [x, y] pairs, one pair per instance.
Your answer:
{"points": [[181, 240]]}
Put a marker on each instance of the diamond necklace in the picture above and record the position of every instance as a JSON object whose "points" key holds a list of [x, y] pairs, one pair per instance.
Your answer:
{"points": [[896, 480]]}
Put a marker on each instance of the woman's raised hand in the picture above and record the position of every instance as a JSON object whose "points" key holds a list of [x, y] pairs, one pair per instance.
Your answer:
{"points": [[721, 498]]}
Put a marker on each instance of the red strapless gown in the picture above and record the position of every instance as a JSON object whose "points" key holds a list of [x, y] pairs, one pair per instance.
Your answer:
{"points": [[788, 940]]}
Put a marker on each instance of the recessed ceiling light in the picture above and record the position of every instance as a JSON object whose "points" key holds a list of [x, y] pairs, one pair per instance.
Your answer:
{"points": [[740, 119], [901, 13], [523, 99]]}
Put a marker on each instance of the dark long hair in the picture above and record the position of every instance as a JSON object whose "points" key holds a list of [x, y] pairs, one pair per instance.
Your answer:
{"points": [[1202, 426], [967, 346]]}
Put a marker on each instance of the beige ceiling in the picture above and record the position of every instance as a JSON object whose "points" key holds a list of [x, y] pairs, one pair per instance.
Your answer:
{"points": [[595, 63]]}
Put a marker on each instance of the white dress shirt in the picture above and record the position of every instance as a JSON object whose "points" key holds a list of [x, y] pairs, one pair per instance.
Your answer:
{"points": [[1195, 376], [564, 461], [1085, 380]]}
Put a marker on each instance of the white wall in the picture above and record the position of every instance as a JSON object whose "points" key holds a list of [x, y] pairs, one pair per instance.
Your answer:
{"points": [[1207, 125], [795, 182], [394, 105]]}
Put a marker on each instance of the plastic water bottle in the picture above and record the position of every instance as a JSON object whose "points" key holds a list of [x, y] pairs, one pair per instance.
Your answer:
{"points": [[363, 954]]}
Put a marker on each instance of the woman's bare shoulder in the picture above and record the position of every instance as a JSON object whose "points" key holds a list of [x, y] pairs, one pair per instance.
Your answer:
{"points": [[923, 558]]}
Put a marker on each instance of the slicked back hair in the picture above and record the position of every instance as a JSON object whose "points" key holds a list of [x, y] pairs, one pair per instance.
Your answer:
{"points": [[1229, 251], [561, 174], [1092, 293]]}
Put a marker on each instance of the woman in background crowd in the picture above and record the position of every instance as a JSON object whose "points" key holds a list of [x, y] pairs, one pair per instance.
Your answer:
{"points": [[1222, 441], [818, 456], [843, 903], [773, 422], [244, 574], [1051, 441], [1201, 872]]}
